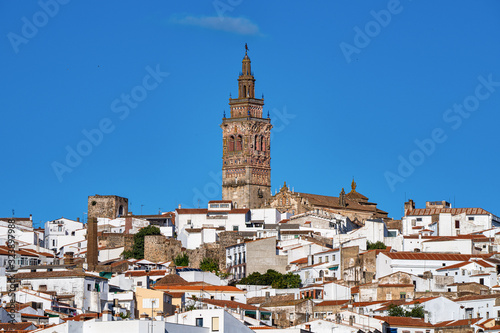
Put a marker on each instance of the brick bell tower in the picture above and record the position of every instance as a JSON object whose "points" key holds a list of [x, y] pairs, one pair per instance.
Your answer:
{"points": [[246, 149]]}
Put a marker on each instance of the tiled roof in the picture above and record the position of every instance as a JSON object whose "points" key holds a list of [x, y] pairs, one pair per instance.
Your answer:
{"points": [[15, 327], [56, 274], [404, 321], [453, 211], [171, 279], [333, 202], [272, 304], [199, 287], [434, 256], [299, 261], [461, 322], [460, 264], [332, 303], [229, 304], [153, 272], [475, 297]]}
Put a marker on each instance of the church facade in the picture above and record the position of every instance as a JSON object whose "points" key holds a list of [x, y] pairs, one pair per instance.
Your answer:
{"points": [[246, 146]]}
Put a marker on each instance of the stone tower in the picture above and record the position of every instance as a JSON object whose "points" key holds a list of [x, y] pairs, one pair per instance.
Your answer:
{"points": [[110, 206], [246, 149]]}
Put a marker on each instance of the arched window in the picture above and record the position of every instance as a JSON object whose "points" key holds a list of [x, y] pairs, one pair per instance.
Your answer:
{"points": [[255, 145], [321, 274], [263, 143], [230, 146], [120, 211], [258, 142], [239, 143], [244, 91]]}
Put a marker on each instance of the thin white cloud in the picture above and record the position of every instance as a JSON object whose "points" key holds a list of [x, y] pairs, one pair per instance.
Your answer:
{"points": [[237, 25]]}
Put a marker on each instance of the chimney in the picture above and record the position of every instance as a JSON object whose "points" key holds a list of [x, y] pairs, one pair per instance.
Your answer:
{"points": [[31, 217], [92, 249], [409, 206], [128, 224], [68, 258], [77, 219], [179, 207]]}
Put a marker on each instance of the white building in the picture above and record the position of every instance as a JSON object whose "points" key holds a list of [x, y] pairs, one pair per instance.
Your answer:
{"points": [[63, 231], [201, 225], [90, 292], [418, 262], [443, 220]]}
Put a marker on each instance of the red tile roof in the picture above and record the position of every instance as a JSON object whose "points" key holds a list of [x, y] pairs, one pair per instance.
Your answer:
{"points": [[404, 321], [299, 261], [200, 287], [332, 303], [434, 256], [229, 304], [461, 322]]}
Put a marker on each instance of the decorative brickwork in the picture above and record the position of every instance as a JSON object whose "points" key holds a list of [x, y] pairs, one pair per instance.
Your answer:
{"points": [[246, 149]]}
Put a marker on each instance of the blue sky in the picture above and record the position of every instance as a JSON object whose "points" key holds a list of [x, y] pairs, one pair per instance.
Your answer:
{"points": [[403, 96]]}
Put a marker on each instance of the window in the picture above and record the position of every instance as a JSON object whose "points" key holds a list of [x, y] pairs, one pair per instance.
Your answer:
{"points": [[232, 298], [139, 283], [88, 287], [235, 228], [471, 218], [481, 281], [326, 259], [419, 219], [457, 224], [463, 271], [239, 143], [189, 222], [319, 259], [230, 146], [215, 324], [199, 322], [402, 295]]}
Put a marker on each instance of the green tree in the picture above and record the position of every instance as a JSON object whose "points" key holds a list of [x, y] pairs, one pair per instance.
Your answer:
{"points": [[209, 265], [273, 278], [417, 312], [375, 246], [137, 251], [182, 259], [396, 311]]}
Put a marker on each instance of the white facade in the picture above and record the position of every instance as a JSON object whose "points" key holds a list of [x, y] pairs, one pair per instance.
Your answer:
{"points": [[63, 231]]}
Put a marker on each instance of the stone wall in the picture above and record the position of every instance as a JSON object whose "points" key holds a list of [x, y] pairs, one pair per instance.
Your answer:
{"points": [[109, 206], [158, 248], [114, 240]]}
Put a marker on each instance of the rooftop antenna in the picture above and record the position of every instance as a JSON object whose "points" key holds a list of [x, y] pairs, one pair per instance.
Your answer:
{"points": [[198, 203], [13, 213]]}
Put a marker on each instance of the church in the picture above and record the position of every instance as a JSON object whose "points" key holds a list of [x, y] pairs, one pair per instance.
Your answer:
{"points": [[246, 163]]}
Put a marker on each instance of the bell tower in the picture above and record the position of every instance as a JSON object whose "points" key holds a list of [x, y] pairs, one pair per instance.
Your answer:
{"points": [[246, 147]]}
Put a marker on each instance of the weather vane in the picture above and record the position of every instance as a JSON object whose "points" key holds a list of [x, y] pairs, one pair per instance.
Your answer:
{"points": [[246, 48]]}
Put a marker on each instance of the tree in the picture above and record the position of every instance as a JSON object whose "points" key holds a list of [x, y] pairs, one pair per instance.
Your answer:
{"points": [[137, 251], [182, 259], [417, 312], [396, 311], [375, 246], [209, 265], [273, 278]]}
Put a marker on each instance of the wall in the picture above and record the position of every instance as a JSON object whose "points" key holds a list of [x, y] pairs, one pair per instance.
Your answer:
{"points": [[261, 256]]}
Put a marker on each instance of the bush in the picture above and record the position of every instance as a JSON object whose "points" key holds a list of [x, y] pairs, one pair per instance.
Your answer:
{"points": [[375, 246], [397, 311], [273, 278], [182, 259], [209, 265], [137, 251]]}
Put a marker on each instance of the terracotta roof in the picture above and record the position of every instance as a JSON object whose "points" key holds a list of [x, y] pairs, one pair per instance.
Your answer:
{"points": [[395, 285], [333, 202], [434, 256], [460, 264], [56, 274], [15, 327], [176, 295], [453, 211], [229, 304], [461, 322], [200, 287], [153, 272], [404, 321], [299, 261], [332, 303], [361, 304], [475, 297], [171, 279]]}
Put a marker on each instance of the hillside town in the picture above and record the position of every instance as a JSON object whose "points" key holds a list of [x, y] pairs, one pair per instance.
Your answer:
{"points": [[254, 260]]}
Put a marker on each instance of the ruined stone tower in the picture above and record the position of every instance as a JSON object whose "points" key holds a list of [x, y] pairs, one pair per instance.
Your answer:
{"points": [[110, 206], [246, 149]]}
